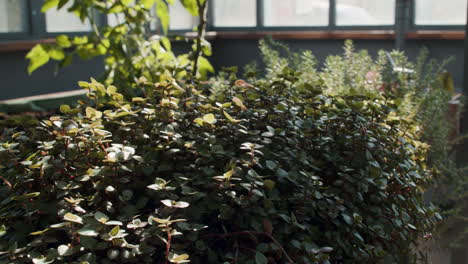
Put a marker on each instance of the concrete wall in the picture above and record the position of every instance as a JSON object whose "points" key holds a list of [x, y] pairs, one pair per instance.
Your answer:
{"points": [[15, 82]]}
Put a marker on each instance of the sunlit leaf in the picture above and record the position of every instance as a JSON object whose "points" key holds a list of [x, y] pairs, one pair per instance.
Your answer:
{"points": [[209, 118], [37, 56], [72, 218], [48, 4]]}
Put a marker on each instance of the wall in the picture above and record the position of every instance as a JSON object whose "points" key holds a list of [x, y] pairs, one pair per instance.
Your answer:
{"points": [[15, 81], [239, 52]]}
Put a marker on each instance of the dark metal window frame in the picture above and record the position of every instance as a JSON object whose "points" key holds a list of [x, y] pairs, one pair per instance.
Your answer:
{"points": [[332, 25], [36, 23]]}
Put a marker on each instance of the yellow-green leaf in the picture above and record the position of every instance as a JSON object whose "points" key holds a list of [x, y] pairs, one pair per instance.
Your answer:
{"points": [[147, 3], [56, 54], [138, 99], [191, 6], [39, 232], [166, 43], [65, 108], [111, 90], [204, 66], [269, 184], [49, 4], [209, 118], [199, 121], [38, 56], [114, 231], [162, 11], [93, 113], [83, 84], [63, 41], [25, 196], [80, 40], [230, 118], [73, 218], [174, 258], [228, 175]]}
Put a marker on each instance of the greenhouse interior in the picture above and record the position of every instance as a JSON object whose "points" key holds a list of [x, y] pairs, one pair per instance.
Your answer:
{"points": [[233, 131]]}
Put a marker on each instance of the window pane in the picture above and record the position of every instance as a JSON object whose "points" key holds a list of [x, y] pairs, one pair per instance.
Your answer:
{"points": [[365, 12], [180, 18], [437, 12], [115, 19], [235, 13], [13, 15], [296, 12], [64, 21]]}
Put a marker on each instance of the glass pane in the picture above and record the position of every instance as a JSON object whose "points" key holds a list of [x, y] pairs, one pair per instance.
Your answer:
{"points": [[64, 21], [365, 12], [235, 13], [13, 14], [115, 19], [436, 12], [296, 12], [180, 18]]}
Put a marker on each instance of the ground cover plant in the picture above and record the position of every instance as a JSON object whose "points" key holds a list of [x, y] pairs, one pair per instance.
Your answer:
{"points": [[159, 167]]}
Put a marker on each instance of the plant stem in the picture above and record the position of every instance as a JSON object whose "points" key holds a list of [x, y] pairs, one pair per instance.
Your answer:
{"points": [[6, 182], [168, 245], [202, 10]]}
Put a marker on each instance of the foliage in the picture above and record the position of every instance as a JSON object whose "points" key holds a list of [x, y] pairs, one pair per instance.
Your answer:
{"points": [[129, 51], [275, 172], [296, 167], [423, 94]]}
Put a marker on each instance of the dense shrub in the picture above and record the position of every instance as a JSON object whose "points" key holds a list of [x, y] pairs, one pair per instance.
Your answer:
{"points": [[422, 91], [276, 172], [273, 170]]}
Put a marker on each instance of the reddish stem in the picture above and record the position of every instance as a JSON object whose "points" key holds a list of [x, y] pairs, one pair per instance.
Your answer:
{"points": [[168, 245]]}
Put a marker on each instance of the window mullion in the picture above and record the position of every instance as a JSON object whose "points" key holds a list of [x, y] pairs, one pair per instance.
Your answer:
{"points": [[36, 19], [412, 15], [401, 23], [332, 15], [260, 12]]}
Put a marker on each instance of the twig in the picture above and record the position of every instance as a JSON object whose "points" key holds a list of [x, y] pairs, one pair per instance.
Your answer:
{"points": [[202, 10], [168, 245], [6, 182]]}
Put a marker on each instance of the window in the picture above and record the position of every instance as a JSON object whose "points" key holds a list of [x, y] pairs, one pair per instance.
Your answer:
{"points": [[437, 12], [296, 12], [13, 16], [63, 21], [115, 19], [180, 18], [22, 19], [235, 13], [365, 12]]}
